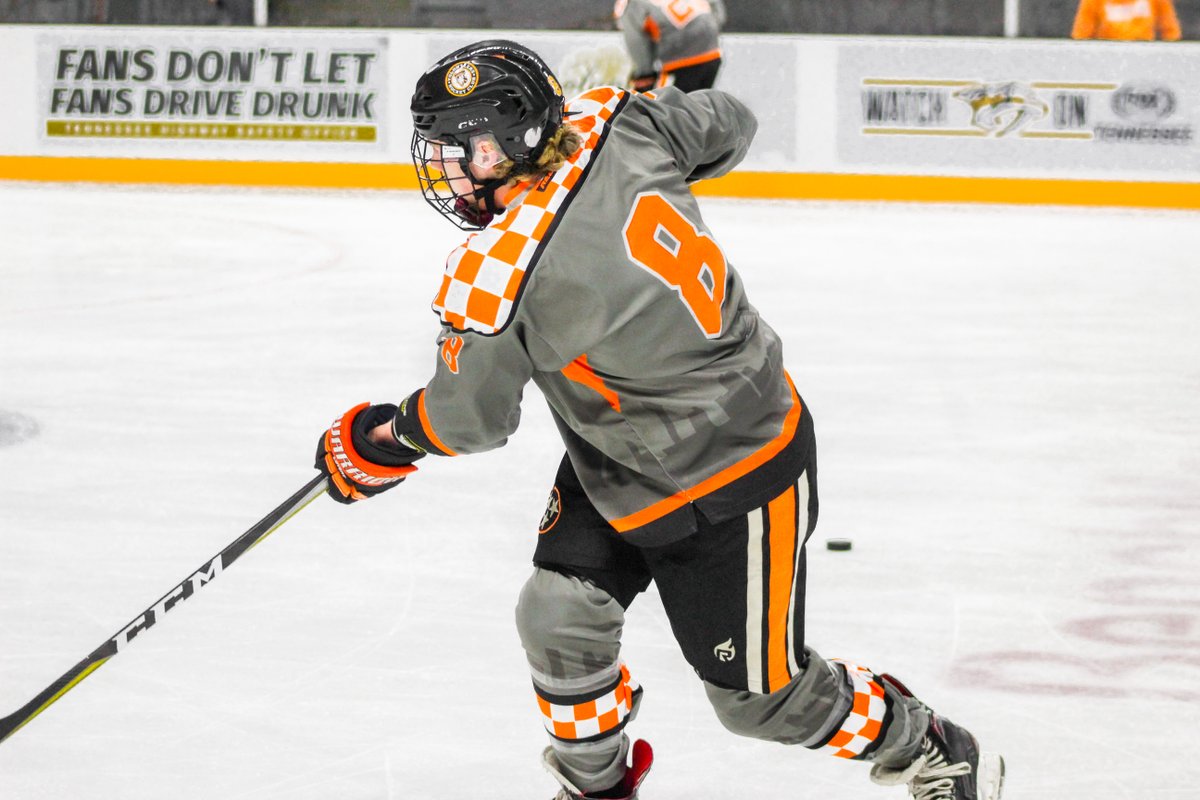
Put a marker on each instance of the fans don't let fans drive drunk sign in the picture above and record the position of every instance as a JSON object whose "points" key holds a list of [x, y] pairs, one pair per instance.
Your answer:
{"points": [[212, 86]]}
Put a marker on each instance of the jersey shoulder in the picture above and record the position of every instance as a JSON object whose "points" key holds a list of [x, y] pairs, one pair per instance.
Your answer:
{"points": [[485, 276]]}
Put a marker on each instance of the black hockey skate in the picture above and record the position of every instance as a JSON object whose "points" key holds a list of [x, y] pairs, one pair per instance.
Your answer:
{"points": [[950, 767], [641, 759]]}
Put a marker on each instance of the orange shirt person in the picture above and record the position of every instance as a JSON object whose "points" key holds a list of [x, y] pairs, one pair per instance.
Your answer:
{"points": [[1129, 20]]}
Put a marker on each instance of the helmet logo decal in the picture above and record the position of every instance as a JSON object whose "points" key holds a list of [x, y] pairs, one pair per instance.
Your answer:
{"points": [[533, 136], [461, 79], [554, 85], [473, 123]]}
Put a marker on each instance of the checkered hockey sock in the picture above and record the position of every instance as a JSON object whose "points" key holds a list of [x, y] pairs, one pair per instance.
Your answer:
{"points": [[863, 727], [587, 727]]}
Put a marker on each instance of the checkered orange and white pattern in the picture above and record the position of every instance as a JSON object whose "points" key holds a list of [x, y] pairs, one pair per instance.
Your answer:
{"points": [[589, 717], [484, 275], [865, 721]]}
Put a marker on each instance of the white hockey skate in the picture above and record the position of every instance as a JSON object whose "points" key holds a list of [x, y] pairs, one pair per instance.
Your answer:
{"points": [[640, 761], [950, 767]]}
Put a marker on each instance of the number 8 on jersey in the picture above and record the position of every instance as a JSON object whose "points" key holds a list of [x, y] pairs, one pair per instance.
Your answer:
{"points": [[662, 241]]}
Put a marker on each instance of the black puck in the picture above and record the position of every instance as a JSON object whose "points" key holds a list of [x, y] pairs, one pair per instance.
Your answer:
{"points": [[837, 544]]}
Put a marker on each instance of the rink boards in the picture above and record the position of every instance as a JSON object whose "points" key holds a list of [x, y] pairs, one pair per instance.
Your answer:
{"points": [[940, 120]]}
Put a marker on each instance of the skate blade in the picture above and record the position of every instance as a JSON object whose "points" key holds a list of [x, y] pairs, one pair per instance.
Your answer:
{"points": [[990, 777]]}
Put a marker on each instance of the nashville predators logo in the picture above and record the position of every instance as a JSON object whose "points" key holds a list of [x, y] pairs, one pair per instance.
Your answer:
{"points": [[1001, 108], [462, 78], [552, 513]]}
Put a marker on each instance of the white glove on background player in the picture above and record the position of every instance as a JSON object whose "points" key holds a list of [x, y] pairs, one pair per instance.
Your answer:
{"points": [[356, 466]]}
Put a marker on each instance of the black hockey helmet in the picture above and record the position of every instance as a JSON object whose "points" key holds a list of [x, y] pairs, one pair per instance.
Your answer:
{"points": [[491, 102]]}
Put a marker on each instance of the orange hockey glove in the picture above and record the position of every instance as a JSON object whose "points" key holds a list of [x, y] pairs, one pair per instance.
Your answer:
{"points": [[357, 467]]}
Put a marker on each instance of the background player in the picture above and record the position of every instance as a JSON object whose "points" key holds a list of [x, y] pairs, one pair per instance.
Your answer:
{"points": [[690, 456], [1129, 20], [672, 42]]}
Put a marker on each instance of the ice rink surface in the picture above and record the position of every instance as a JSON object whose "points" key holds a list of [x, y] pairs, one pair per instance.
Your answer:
{"points": [[1006, 409]]}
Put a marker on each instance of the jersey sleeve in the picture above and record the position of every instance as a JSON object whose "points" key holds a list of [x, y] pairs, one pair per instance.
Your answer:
{"points": [[718, 12], [642, 51], [708, 132], [473, 402]]}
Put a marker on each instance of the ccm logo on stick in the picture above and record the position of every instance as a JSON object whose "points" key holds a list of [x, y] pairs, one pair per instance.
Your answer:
{"points": [[180, 593]]}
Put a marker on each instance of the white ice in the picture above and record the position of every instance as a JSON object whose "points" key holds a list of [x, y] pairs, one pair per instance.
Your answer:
{"points": [[1006, 409]]}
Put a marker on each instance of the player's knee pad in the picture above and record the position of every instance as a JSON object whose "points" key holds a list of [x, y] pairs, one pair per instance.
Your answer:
{"points": [[570, 629]]}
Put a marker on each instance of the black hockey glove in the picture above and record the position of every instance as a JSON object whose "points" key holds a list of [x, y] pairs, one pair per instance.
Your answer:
{"points": [[356, 467], [643, 82]]}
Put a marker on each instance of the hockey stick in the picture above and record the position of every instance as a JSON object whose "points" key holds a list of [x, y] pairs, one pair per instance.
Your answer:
{"points": [[201, 577]]}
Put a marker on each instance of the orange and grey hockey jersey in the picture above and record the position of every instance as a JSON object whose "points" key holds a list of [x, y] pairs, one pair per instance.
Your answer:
{"points": [[666, 35], [602, 285], [1129, 20]]}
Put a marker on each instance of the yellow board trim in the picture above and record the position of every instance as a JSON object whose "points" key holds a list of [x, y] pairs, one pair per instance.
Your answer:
{"points": [[317, 175], [761, 185], [940, 189]]}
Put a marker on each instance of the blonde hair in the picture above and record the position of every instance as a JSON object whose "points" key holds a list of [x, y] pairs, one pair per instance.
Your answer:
{"points": [[565, 142]]}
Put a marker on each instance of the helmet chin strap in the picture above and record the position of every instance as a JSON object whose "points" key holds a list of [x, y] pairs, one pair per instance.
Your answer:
{"points": [[471, 212], [473, 215]]}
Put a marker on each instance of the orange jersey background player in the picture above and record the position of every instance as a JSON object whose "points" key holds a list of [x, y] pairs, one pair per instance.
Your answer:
{"points": [[1131, 20]]}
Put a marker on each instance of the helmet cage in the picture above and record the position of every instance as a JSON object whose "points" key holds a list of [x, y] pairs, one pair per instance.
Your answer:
{"points": [[448, 183]]}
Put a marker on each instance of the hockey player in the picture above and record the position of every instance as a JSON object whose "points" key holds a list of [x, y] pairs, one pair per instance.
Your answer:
{"points": [[690, 458], [672, 42]]}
